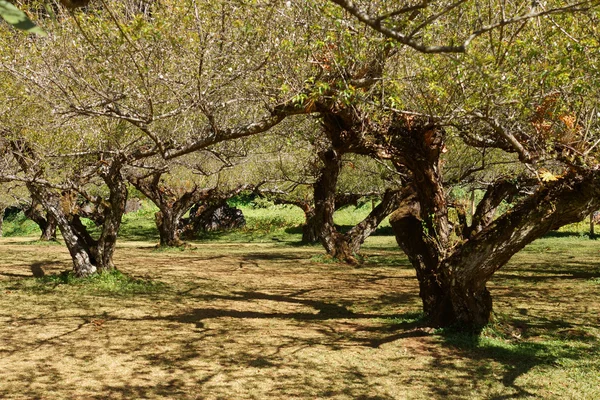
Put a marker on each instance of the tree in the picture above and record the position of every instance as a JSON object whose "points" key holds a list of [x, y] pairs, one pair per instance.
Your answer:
{"points": [[45, 221], [453, 25], [176, 187], [502, 95], [117, 90]]}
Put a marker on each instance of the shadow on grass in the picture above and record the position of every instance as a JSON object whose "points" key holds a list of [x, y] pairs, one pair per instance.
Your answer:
{"points": [[566, 271], [323, 310], [476, 353]]}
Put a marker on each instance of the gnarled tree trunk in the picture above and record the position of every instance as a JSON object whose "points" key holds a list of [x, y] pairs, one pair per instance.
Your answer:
{"points": [[168, 225], [453, 275], [324, 197], [46, 223], [88, 254], [83, 260], [172, 205], [114, 209], [310, 229]]}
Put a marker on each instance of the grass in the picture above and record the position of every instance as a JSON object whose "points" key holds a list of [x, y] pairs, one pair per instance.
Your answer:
{"points": [[258, 320], [111, 282], [264, 223], [19, 225], [249, 314]]}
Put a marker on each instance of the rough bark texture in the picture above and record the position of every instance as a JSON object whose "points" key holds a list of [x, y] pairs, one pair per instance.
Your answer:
{"points": [[360, 232], [114, 209], [89, 255], [83, 260], [173, 203], [310, 229], [453, 276], [324, 197], [168, 224], [45, 221]]}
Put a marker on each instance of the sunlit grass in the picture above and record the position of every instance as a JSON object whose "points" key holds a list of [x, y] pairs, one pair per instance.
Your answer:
{"points": [[20, 225], [111, 282]]}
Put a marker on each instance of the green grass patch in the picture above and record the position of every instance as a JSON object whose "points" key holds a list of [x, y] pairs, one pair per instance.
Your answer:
{"points": [[410, 318], [20, 225], [111, 282]]}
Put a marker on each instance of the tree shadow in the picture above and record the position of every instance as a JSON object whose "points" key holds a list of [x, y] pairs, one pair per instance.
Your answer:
{"points": [[323, 310], [36, 268]]}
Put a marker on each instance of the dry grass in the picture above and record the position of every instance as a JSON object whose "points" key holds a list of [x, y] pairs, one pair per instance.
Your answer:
{"points": [[268, 321]]}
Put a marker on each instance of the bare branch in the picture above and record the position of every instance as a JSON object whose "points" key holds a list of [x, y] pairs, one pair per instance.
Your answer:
{"points": [[408, 39]]}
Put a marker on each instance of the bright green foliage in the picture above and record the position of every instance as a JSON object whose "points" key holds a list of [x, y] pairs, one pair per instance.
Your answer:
{"points": [[19, 19]]}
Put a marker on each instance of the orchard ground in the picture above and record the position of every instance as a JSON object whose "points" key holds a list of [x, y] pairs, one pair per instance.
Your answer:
{"points": [[252, 315]]}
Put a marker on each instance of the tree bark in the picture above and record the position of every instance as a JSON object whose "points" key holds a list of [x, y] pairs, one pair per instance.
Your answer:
{"points": [[310, 229], [47, 223], [113, 214], [173, 203], [360, 232], [453, 282], [444, 301], [2, 208], [83, 264], [168, 224], [89, 255], [324, 195]]}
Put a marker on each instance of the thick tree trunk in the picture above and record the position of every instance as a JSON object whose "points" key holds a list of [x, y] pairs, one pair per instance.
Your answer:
{"points": [[113, 215], [446, 300], [334, 242], [89, 255], [167, 222], [49, 231], [310, 229], [83, 264], [453, 281], [46, 223]]}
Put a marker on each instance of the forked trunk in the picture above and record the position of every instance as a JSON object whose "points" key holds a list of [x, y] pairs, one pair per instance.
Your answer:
{"points": [[453, 279], [448, 297]]}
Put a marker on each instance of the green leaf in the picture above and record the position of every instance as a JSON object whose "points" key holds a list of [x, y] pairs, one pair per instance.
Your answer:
{"points": [[18, 19]]}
